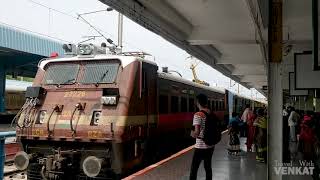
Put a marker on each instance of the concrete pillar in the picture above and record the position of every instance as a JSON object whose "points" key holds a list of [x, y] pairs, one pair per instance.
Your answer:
{"points": [[2, 87], [275, 92], [275, 139]]}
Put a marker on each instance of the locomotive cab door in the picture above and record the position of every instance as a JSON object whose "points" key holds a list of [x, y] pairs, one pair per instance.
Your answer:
{"points": [[149, 97]]}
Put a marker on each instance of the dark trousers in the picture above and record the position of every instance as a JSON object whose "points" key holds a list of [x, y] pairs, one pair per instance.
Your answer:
{"points": [[243, 130], [285, 134], [198, 156]]}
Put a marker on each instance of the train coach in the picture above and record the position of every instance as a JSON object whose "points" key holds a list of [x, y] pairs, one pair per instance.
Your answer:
{"points": [[94, 115]]}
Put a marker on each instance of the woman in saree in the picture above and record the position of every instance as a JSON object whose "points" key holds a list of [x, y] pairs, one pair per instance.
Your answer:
{"points": [[234, 141], [261, 136]]}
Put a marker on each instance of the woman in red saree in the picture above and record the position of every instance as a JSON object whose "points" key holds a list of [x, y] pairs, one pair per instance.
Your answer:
{"points": [[307, 137], [251, 130]]}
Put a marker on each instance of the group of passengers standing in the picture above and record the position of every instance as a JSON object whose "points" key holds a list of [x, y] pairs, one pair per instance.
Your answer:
{"points": [[253, 125], [302, 128]]}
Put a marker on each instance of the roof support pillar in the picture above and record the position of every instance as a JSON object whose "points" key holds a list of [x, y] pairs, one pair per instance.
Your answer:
{"points": [[2, 87], [275, 124]]}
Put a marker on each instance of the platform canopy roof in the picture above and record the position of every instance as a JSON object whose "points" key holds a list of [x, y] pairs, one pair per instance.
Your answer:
{"points": [[20, 50], [228, 35]]}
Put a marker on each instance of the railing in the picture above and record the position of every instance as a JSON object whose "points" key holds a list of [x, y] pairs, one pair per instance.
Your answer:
{"points": [[3, 136]]}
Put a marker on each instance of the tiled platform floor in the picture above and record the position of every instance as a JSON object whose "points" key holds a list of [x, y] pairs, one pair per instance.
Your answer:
{"points": [[225, 167]]}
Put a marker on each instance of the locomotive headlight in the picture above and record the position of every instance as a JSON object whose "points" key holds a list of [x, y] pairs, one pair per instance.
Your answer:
{"points": [[109, 100], [41, 117], [95, 117], [91, 166], [21, 160], [85, 49]]}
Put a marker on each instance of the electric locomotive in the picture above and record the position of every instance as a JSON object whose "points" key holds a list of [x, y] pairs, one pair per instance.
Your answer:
{"points": [[98, 115]]}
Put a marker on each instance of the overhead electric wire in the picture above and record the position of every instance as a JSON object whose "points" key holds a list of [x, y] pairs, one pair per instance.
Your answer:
{"points": [[94, 12], [95, 27], [81, 20], [53, 9], [79, 16]]}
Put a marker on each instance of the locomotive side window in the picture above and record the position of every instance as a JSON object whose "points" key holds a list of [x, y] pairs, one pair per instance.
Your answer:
{"points": [[191, 105], [163, 104], [100, 73], [184, 104], [144, 80], [61, 74], [174, 104]]}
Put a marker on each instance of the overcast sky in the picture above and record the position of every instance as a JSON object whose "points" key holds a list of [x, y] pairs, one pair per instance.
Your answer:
{"points": [[41, 16]]}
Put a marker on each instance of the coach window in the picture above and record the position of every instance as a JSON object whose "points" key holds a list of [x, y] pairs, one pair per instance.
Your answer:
{"points": [[223, 105], [213, 106], [191, 105], [219, 105], [209, 104], [174, 104], [163, 104], [184, 104]]}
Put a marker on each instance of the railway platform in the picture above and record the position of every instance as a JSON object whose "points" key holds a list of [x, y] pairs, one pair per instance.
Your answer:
{"points": [[224, 166]]}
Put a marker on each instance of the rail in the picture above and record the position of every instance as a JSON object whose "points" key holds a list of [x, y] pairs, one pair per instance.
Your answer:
{"points": [[3, 136]]}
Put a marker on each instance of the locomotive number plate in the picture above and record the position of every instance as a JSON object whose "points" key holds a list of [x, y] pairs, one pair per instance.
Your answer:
{"points": [[75, 94], [94, 134], [37, 132]]}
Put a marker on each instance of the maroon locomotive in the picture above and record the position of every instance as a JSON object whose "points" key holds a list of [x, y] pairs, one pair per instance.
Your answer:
{"points": [[94, 115]]}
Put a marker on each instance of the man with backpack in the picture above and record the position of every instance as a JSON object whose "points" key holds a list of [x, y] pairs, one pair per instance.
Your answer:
{"points": [[206, 134]]}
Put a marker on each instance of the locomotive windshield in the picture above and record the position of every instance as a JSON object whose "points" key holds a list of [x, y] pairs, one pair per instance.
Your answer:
{"points": [[61, 74], [91, 73], [100, 73]]}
